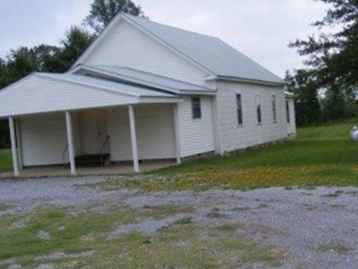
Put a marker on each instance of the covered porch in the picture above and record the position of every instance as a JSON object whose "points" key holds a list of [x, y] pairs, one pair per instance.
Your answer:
{"points": [[89, 127]]}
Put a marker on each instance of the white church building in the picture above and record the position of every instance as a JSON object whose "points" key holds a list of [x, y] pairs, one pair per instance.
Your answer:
{"points": [[144, 91]]}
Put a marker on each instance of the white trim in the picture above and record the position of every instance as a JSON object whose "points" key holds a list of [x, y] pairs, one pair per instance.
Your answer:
{"points": [[19, 143], [133, 133], [13, 147], [216, 126], [176, 123], [71, 151]]}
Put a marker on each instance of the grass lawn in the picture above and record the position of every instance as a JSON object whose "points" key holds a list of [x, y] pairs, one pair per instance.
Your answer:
{"points": [[5, 160], [321, 155]]}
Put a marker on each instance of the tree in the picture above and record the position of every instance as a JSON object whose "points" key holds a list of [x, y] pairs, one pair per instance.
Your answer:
{"points": [[77, 40], [332, 65], [333, 57], [334, 105], [20, 63], [103, 11], [308, 110]]}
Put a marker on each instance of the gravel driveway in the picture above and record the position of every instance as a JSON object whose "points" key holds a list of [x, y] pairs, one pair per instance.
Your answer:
{"points": [[318, 227]]}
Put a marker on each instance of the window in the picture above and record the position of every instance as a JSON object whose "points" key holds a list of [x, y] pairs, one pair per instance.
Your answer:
{"points": [[196, 107], [288, 110], [274, 113], [258, 110], [239, 109]]}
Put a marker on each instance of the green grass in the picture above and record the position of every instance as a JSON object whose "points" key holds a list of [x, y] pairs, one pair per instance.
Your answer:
{"points": [[181, 245], [5, 160], [321, 155], [338, 248]]}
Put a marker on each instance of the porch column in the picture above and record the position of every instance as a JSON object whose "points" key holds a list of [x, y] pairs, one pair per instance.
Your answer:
{"points": [[13, 147], [71, 151], [19, 143], [133, 138], [177, 134]]}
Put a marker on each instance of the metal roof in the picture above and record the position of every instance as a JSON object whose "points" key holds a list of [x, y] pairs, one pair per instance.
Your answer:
{"points": [[210, 52], [145, 78], [113, 86]]}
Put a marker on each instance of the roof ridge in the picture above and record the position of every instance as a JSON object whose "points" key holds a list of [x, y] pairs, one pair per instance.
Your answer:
{"points": [[168, 26]]}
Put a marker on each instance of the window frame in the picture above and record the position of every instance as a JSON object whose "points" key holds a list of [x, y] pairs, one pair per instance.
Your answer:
{"points": [[258, 110], [288, 113], [274, 108], [239, 112], [196, 111]]}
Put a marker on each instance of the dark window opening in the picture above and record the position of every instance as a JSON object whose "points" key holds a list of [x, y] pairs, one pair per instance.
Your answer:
{"points": [[196, 107], [239, 109], [288, 111]]}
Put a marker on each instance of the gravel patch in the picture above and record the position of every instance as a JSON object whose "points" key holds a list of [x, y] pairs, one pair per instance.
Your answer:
{"points": [[147, 226], [60, 256], [306, 223], [42, 235]]}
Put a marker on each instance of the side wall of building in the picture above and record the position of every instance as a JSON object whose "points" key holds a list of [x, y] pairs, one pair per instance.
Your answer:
{"points": [[234, 136], [196, 135], [43, 139]]}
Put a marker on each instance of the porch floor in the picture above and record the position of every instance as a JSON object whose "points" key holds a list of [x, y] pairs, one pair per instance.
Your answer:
{"points": [[60, 171]]}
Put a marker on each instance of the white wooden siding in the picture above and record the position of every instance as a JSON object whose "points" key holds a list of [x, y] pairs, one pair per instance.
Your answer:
{"points": [[43, 139], [196, 135], [233, 136], [155, 132], [129, 47]]}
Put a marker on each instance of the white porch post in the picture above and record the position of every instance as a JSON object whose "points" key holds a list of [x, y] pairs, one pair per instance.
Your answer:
{"points": [[133, 138], [177, 134], [19, 143], [13, 147], [70, 142]]}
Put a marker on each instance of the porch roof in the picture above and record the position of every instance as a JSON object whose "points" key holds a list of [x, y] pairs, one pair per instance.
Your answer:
{"points": [[44, 93]]}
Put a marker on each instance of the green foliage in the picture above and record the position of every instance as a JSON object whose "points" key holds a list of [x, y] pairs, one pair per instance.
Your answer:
{"points": [[76, 41], [103, 11], [332, 60], [307, 105]]}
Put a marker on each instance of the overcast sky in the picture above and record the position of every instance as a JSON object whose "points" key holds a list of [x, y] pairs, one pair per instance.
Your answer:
{"points": [[261, 29]]}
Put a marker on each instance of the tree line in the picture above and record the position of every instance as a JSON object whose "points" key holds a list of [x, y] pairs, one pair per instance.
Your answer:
{"points": [[325, 90]]}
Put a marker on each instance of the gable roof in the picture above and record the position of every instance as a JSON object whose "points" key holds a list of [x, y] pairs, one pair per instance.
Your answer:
{"points": [[143, 78], [209, 53]]}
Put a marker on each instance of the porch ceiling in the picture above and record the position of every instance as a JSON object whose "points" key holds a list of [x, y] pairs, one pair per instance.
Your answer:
{"points": [[44, 93]]}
